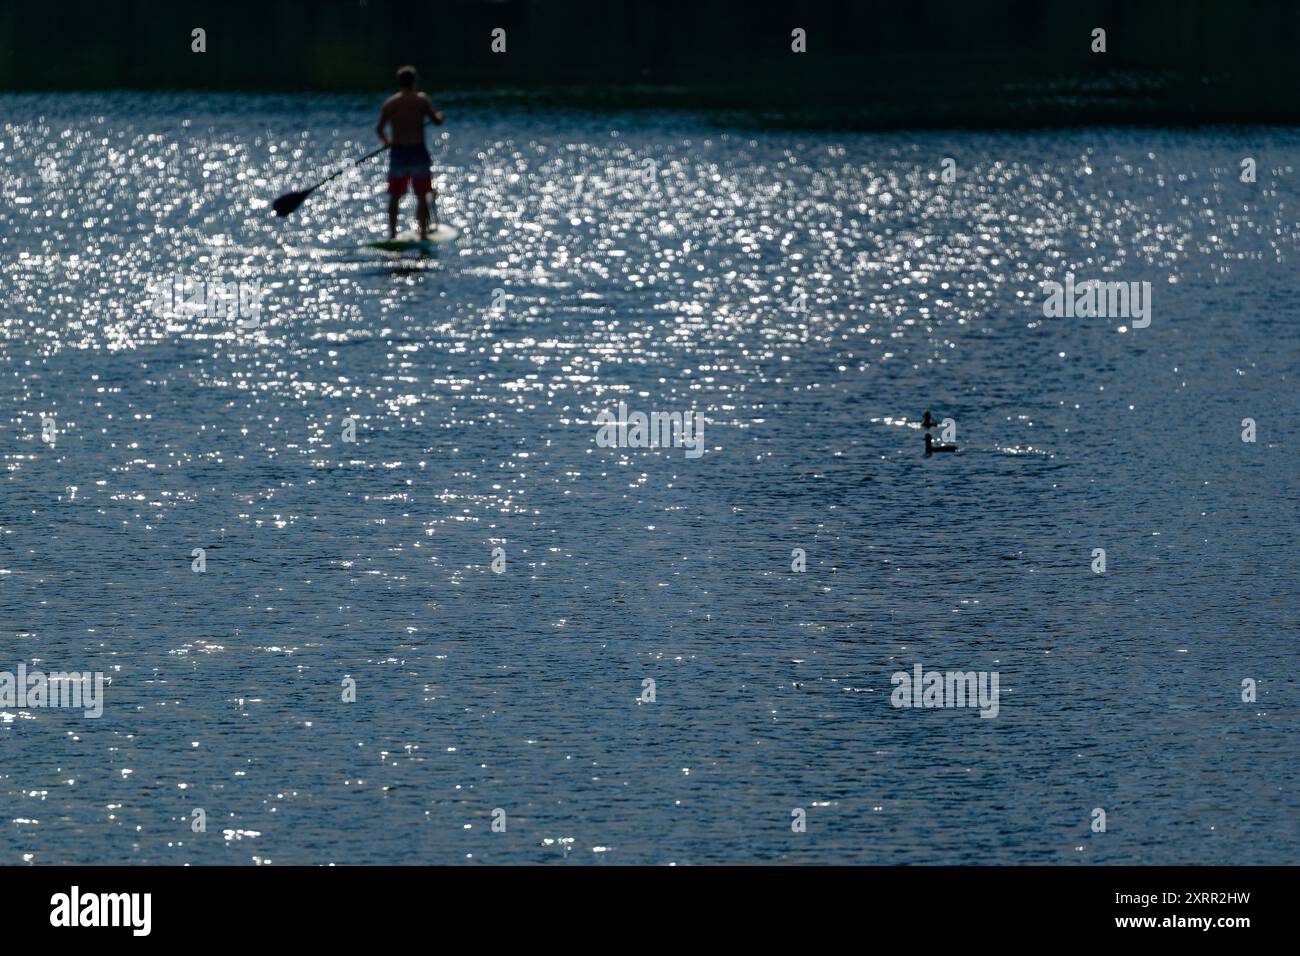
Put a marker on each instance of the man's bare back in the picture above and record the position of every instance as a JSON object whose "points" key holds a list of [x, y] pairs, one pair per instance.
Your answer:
{"points": [[406, 112]]}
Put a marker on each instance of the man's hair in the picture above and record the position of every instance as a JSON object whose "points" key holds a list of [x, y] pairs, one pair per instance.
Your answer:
{"points": [[406, 77]]}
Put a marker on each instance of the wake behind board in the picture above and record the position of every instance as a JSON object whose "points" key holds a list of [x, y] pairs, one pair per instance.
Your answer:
{"points": [[411, 241]]}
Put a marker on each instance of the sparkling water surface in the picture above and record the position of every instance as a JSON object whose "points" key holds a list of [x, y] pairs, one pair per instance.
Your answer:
{"points": [[811, 294]]}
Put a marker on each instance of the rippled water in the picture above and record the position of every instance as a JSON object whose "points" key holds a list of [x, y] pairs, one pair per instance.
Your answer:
{"points": [[810, 295]]}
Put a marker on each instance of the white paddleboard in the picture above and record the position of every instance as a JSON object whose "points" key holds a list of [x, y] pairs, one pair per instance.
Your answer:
{"points": [[411, 241]]}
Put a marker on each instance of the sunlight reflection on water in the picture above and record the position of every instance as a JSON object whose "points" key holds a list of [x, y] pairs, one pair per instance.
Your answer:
{"points": [[810, 294]]}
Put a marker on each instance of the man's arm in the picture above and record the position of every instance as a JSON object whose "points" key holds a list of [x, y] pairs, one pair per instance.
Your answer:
{"points": [[429, 111], [383, 121]]}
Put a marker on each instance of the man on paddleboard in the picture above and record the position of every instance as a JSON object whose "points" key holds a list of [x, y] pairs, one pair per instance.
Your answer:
{"points": [[408, 158]]}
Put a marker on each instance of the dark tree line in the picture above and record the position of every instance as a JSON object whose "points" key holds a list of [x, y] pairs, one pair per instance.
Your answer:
{"points": [[921, 62]]}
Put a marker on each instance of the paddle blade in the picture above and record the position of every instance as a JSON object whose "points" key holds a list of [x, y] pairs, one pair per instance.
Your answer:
{"points": [[289, 202]]}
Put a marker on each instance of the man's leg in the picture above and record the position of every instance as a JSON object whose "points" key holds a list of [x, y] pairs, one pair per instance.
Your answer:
{"points": [[393, 200], [422, 214]]}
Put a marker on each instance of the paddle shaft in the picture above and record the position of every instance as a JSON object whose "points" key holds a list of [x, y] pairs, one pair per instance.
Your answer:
{"points": [[356, 162], [287, 203]]}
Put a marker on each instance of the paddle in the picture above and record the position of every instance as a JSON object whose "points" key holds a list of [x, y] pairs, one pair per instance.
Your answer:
{"points": [[291, 201]]}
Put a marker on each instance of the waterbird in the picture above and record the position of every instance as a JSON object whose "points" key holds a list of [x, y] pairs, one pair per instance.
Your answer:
{"points": [[931, 447], [928, 422]]}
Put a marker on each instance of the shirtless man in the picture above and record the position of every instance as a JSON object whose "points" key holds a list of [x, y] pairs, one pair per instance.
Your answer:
{"points": [[408, 159]]}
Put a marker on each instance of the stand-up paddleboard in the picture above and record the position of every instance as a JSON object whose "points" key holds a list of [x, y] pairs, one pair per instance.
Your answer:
{"points": [[411, 241]]}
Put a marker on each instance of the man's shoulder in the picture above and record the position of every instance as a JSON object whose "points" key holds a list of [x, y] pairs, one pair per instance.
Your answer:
{"points": [[392, 99]]}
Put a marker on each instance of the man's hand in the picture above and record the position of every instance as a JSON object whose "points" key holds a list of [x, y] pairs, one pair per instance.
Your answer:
{"points": [[437, 118]]}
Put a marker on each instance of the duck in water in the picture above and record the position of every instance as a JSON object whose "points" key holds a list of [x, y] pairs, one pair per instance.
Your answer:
{"points": [[928, 421], [931, 447]]}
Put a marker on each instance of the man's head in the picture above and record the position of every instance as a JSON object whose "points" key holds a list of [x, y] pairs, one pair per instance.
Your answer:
{"points": [[406, 77]]}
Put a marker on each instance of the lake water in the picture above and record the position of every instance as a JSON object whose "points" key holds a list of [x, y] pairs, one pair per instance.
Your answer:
{"points": [[810, 294]]}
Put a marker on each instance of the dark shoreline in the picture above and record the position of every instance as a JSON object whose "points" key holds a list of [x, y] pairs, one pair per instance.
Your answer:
{"points": [[730, 114], [931, 64]]}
